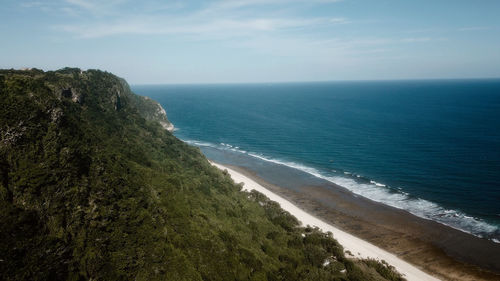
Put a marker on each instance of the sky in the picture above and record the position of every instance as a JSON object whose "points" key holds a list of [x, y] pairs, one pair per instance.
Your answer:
{"points": [[241, 41]]}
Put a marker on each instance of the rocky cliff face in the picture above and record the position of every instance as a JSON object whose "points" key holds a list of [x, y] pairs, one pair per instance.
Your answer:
{"points": [[153, 111], [90, 89], [159, 114]]}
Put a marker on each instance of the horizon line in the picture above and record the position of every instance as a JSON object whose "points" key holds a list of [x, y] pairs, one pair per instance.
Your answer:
{"points": [[315, 81], [266, 82]]}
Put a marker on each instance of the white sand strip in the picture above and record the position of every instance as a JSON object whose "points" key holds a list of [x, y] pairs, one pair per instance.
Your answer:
{"points": [[356, 246]]}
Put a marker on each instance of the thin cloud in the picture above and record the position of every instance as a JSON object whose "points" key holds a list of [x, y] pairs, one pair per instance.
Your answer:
{"points": [[88, 5], [95, 8], [230, 27], [416, 39], [32, 4], [220, 18], [231, 4], [474, 28]]}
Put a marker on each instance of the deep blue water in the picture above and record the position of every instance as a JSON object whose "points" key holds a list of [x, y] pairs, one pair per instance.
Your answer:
{"points": [[430, 147]]}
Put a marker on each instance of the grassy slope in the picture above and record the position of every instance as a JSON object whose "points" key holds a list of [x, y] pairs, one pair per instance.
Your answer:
{"points": [[91, 190]]}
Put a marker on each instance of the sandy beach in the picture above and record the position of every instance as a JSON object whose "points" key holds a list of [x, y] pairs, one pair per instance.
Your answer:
{"points": [[358, 247], [431, 247]]}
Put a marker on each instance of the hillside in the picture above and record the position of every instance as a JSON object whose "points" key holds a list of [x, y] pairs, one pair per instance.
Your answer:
{"points": [[93, 186]]}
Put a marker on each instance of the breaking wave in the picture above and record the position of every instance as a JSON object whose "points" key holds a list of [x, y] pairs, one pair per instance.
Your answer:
{"points": [[382, 193]]}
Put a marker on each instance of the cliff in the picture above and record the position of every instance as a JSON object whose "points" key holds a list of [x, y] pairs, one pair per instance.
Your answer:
{"points": [[149, 109], [92, 187]]}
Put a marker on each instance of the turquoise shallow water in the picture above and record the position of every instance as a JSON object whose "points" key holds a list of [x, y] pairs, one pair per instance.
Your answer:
{"points": [[429, 147]]}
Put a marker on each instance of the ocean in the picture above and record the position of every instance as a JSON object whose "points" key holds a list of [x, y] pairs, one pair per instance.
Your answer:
{"points": [[430, 147]]}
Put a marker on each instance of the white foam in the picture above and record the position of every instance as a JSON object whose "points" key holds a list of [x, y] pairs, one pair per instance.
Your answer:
{"points": [[200, 143], [379, 192], [398, 199], [377, 184], [221, 146]]}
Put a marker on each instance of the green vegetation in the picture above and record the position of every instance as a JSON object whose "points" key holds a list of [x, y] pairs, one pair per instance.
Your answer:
{"points": [[148, 108], [93, 188]]}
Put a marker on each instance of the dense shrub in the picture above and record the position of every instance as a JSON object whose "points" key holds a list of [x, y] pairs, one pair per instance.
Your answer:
{"points": [[93, 188]]}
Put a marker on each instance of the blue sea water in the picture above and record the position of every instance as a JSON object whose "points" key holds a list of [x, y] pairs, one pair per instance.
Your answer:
{"points": [[429, 147]]}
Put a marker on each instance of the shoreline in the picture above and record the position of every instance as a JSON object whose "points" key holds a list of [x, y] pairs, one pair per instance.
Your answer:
{"points": [[360, 248], [439, 250]]}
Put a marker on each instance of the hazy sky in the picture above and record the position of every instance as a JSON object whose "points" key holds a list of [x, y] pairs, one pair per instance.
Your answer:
{"points": [[153, 41]]}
